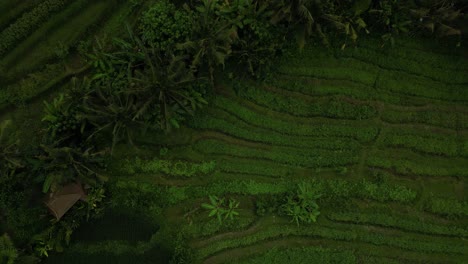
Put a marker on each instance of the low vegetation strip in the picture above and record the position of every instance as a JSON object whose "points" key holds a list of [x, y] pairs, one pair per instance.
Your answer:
{"points": [[15, 10], [27, 23], [276, 231], [363, 134], [424, 141], [400, 222], [334, 107], [406, 163], [298, 157], [301, 255]]}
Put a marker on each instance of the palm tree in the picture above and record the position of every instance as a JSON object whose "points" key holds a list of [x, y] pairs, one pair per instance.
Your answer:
{"points": [[165, 86], [298, 14], [213, 38], [111, 111]]}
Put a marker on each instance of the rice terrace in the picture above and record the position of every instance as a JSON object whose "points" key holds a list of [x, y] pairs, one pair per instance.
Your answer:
{"points": [[233, 131]]}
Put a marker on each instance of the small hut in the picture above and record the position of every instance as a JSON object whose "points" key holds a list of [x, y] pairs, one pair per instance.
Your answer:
{"points": [[62, 200]]}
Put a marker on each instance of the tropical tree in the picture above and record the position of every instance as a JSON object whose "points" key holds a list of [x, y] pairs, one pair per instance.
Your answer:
{"points": [[111, 111], [298, 14], [61, 165], [165, 88]]}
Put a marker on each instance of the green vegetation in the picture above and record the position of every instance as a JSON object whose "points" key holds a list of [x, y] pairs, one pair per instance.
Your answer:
{"points": [[237, 131]]}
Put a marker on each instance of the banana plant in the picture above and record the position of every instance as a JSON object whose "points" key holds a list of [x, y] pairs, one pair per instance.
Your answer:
{"points": [[230, 211], [221, 209], [215, 207]]}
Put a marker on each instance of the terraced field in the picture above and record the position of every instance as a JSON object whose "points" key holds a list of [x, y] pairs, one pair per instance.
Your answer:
{"points": [[381, 133]]}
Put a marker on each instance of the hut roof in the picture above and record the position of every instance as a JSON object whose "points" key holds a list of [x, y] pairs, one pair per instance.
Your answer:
{"points": [[62, 200]]}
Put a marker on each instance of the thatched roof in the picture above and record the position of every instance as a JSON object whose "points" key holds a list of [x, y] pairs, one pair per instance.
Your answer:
{"points": [[62, 200]]}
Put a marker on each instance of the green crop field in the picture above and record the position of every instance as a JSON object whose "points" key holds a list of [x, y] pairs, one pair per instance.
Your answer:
{"points": [[378, 135]]}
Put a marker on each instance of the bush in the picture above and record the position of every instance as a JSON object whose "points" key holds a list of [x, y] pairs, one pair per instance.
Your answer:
{"points": [[302, 205], [163, 25], [436, 118], [421, 141]]}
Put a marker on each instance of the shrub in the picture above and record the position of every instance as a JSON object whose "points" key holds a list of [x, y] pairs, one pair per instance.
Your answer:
{"points": [[301, 255], [163, 25], [398, 221], [268, 204]]}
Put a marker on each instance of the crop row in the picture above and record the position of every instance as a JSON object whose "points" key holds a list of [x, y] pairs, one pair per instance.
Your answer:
{"points": [[444, 62], [307, 157], [34, 52], [423, 141], [412, 164], [269, 121], [321, 87], [441, 245], [169, 167], [236, 128], [335, 73], [300, 255], [329, 107], [27, 23], [412, 66], [430, 117], [137, 194], [447, 207], [396, 82], [400, 222], [419, 87]]}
